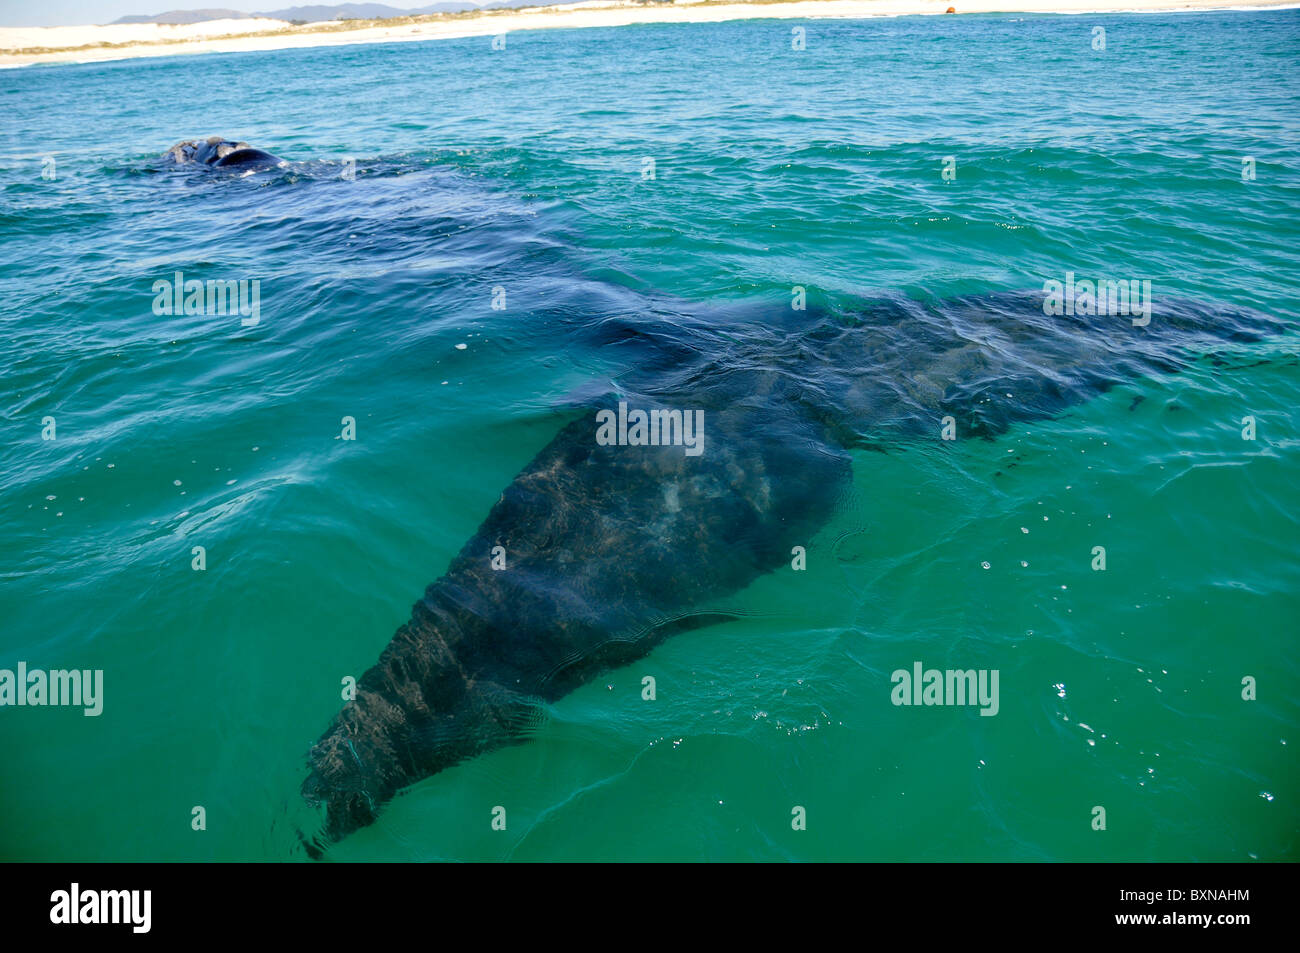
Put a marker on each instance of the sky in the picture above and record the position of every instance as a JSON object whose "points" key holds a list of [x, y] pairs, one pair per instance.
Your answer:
{"points": [[77, 12]]}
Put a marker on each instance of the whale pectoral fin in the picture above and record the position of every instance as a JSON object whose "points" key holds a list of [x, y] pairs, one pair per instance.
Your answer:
{"points": [[616, 652]]}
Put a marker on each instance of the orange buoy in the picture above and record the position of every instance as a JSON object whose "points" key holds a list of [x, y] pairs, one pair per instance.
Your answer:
{"points": [[951, 10]]}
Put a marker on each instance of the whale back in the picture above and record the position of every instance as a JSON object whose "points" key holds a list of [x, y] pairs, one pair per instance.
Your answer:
{"points": [[887, 370]]}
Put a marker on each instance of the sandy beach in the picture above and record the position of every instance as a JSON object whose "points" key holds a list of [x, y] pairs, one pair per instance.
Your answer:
{"points": [[84, 44]]}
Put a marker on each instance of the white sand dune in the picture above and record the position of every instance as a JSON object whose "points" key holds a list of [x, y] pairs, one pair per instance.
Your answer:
{"points": [[64, 37], [83, 44]]}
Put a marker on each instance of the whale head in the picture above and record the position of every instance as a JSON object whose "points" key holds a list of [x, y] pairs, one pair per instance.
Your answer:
{"points": [[218, 152]]}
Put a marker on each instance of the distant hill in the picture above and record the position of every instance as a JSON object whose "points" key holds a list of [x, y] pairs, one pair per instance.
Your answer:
{"points": [[186, 16], [363, 11], [317, 13]]}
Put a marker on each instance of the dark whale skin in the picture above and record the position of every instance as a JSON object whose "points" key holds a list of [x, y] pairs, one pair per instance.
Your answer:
{"points": [[610, 549], [246, 156]]}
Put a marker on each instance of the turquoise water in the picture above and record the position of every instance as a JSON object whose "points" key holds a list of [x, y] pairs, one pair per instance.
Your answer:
{"points": [[522, 170]]}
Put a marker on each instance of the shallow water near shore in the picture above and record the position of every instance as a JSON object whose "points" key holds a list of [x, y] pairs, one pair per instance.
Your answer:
{"points": [[523, 170]]}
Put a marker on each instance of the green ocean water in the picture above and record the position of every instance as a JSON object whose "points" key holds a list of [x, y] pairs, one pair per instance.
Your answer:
{"points": [[525, 170]]}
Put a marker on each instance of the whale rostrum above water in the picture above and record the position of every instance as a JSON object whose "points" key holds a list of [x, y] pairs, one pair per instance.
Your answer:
{"points": [[219, 153], [602, 548]]}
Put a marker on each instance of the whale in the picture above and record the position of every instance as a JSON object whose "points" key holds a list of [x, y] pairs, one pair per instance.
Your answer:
{"points": [[216, 152], [616, 536]]}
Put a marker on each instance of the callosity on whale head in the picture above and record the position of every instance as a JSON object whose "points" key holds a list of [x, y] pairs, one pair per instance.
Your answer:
{"points": [[215, 151]]}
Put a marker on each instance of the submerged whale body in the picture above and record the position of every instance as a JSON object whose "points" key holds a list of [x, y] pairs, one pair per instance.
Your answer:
{"points": [[610, 547], [219, 153]]}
